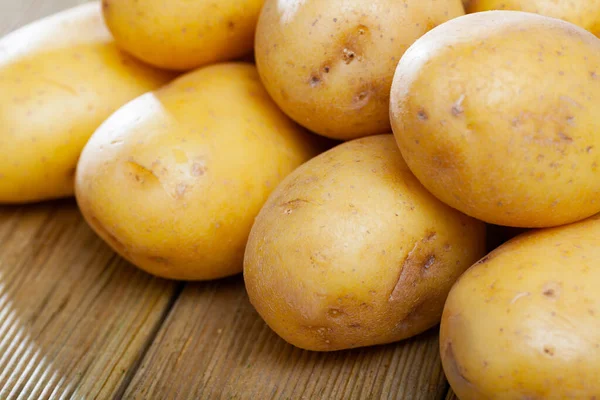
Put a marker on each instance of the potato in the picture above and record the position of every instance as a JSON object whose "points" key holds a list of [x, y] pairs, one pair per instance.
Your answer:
{"points": [[183, 34], [350, 250], [496, 113], [583, 13], [60, 77], [173, 180], [329, 65], [523, 322]]}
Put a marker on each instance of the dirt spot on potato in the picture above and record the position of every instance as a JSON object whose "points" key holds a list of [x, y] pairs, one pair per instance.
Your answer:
{"points": [[314, 81], [422, 115], [348, 55], [549, 350], [551, 290]]}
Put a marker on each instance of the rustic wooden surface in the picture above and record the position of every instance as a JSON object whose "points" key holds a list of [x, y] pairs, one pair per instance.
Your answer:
{"points": [[78, 322]]}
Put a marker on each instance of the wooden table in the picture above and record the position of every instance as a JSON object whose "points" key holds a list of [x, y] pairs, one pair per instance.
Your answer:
{"points": [[76, 321]]}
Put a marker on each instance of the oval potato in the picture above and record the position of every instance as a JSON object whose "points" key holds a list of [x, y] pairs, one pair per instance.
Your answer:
{"points": [[523, 323], [183, 34], [350, 250], [60, 78], [496, 113], [583, 13], [173, 180], [329, 64]]}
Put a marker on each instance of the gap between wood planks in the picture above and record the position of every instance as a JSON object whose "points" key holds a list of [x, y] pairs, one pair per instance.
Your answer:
{"points": [[151, 337]]}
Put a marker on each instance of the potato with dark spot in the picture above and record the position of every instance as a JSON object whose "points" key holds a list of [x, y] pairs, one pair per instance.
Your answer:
{"points": [[60, 78], [329, 64], [183, 34], [497, 112], [583, 13], [524, 322], [350, 250], [173, 180]]}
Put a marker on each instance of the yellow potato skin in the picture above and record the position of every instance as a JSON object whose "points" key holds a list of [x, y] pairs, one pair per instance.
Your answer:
{"points": [[173, 180], [183, 34], [350, 250], [496, 114], [329, 65], [523, 322], [60, 78], [586, 14]]}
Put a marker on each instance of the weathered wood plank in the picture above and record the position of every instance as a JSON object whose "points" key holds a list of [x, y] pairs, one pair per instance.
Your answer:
{"points": [[74, 318], [214, 345]]}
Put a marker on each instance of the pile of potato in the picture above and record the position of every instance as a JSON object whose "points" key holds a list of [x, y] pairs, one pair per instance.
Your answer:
{"points": [[350, 171]]}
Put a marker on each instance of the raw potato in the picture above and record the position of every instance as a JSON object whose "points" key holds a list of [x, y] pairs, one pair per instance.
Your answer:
{"points": [[523, 322], [173, 180], [585, 13], [496, 113], [329, 65], [183, 34], [350, 250], [60, 77]]}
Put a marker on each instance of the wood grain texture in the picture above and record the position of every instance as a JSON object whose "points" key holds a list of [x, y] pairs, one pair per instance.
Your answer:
{"points": [[74, 317], [215, 346]]}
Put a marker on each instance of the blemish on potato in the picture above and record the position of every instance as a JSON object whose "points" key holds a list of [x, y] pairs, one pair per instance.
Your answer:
{"points": [[314, 81], [335, 312], [564, 137], [422, 115], [290, 206], [181, 189], [159, 260], [551, 290], [457, 107], [198, 169], [429, 263], [348, 55], [549, 350], [140, 173]]}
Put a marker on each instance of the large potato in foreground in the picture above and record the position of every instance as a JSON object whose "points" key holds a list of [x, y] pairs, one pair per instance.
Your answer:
{"points": [[524, 322], [329, 64], [496, 113], [183, 34], [585, 13], [173, 180], [60, 78], [350, 250]]}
